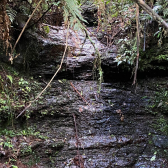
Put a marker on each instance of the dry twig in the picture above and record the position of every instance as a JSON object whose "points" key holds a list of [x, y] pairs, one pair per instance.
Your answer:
{"points": [[51, 78], [79, 93]]}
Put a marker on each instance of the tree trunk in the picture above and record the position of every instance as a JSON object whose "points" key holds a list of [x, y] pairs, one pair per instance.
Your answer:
{"points": [[5, 25], [149, 10]]}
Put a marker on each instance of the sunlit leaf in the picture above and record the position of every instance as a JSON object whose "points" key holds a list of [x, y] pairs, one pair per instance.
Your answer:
{"points": [[119, 62], [60, 81], [160, 104], [10, 78], [153, 158]]}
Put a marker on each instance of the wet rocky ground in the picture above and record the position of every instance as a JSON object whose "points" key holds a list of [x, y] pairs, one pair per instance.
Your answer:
{"points": [[84, 127], [92, 129]]}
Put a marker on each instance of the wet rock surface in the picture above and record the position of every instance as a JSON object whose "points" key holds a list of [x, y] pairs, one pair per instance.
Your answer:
{"points": [[160, 141], [89, 13], [80, 55], [41, 54], [110, 128], [88, 128]]}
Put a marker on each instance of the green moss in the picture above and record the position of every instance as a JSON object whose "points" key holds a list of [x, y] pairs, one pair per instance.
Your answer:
{"points": [[46, 29]]}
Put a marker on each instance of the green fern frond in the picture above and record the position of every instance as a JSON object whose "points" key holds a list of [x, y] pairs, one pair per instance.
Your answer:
{"points": [[72, 13], [11, 13]]}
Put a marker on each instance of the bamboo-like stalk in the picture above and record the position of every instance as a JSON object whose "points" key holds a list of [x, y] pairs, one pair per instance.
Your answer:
{"points": [[138, 43]]}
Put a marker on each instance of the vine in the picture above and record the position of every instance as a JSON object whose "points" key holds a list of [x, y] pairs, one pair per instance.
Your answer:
{"points": [[51, 78]]}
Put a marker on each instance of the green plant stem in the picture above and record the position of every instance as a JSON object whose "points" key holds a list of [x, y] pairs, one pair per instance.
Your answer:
{"points": [[138, 43]]}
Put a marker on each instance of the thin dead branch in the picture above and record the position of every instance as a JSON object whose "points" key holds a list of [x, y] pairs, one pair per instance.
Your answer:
{"points": [[79, 93], [40, 17], [138, 43], [11, 54], [51, 78]]}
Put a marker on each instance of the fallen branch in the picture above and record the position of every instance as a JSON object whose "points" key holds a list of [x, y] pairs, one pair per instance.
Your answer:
{"points": [[51, 78], [79, 93]]}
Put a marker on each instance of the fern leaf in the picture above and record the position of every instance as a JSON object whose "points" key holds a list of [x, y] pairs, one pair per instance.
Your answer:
{"points": [[72, 13], [11, 13]]}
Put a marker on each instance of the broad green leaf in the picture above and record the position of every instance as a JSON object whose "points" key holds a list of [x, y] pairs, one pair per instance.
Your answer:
{"points": [[153, 158], [10, 78], [13, 166]]}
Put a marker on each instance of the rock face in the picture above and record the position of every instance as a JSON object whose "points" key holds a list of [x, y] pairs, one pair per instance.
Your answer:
{"points": [[89, 12], [92, 133], [42, 54], [79, 57], [160, 141]]}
